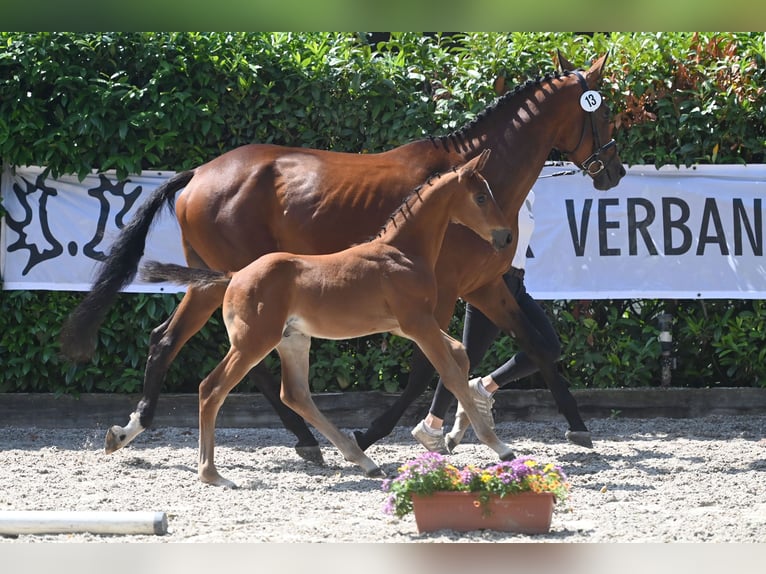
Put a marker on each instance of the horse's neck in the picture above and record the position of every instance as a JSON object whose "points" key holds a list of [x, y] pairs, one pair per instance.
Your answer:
{"points": [[521, 142], [419, 226]]}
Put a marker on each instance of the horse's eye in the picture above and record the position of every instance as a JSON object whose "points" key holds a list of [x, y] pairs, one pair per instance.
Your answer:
{"points": [[481, 198]]}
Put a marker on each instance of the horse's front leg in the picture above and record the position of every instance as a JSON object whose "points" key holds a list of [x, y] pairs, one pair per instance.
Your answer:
{"points": [[165, 342], [421, 373], [451, 361], [307, 446], [499, 305]]}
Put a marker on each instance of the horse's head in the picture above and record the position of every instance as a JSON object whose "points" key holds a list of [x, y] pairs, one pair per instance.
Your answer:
{"points": [[478, 209], [592, 147]]}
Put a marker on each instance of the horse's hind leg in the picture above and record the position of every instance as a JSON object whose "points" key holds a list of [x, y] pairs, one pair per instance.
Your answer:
{"points": [[294, 353], [307, 446], [190, 316]]}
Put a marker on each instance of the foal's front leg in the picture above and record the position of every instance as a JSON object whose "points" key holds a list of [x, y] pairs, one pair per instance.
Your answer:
{"points": [[451, 361]]}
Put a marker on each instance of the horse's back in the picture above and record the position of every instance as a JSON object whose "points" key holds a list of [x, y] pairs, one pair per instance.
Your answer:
{"points": [[260, 198]]}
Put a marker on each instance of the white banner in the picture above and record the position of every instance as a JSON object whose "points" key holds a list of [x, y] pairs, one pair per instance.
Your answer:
{"points": [[56, 232], [667, 233], [660, 234]]}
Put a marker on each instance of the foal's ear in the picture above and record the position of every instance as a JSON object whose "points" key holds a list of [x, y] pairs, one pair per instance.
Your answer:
{"points": [[564, 64], [476, 164]]}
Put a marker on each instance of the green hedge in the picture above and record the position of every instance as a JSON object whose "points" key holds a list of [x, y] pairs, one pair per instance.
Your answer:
{"points": [[134, 101]]}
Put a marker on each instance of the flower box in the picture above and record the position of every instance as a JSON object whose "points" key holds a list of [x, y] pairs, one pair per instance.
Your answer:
{"points": [[526, 512], [511, 496]]}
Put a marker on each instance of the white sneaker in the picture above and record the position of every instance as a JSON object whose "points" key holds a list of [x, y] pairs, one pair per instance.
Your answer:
{"points": [[432, 442]]}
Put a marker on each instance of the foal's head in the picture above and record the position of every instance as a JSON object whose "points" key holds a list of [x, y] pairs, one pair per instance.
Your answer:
{"points": [[476, 207]]}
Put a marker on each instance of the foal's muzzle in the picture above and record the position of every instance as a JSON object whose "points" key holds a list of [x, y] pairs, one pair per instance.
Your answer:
{"points": [[501, 238]]}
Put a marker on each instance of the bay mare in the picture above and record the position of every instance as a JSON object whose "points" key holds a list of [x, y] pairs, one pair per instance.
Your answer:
{"points": [[281, 300], [257, 199]]}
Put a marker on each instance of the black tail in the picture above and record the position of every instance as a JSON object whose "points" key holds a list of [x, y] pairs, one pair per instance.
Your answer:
{"points": [[154, 272], [78, 334]]}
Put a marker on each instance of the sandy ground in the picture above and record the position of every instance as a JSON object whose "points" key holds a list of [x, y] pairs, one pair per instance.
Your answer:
{"points": [[646, 480]]}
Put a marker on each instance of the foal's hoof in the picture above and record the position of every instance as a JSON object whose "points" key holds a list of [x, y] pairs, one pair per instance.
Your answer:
{"points": [[115, 439], [581, 438], [217, 480], [311, 454]]}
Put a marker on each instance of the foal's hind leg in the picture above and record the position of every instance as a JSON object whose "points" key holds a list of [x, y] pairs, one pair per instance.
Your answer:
{"points": [[190, 316], [213, 390], [294, 353]]}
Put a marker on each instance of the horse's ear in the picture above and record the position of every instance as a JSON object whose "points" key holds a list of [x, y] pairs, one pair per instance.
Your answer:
{"points": [[564, 64], [476, 164], [594, 74]]}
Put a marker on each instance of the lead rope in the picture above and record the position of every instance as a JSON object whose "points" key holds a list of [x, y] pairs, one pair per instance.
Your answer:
{"points": [[558, 173]]}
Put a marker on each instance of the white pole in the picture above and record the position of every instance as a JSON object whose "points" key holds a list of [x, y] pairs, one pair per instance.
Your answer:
{"points": [[14, 522]]}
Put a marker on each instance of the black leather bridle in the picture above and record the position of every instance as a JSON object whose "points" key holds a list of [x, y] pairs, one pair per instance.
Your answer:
{"points": [[593, 164]]}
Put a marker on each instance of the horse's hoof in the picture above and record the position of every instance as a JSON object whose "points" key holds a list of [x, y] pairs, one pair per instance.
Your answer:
{"points": [[376, 472], [581, 438], [115, 439], [507, 454], [311, 454]]}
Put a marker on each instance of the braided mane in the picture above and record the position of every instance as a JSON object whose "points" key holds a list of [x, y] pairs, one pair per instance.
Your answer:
{"points": [[408, 202], [458, 136]]}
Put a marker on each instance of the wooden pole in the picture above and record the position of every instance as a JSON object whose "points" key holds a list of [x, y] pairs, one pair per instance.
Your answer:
{"points": [[14, 522]]}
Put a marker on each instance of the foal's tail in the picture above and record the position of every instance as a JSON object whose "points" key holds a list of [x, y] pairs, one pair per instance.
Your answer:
{"points": [[154, 272], [78, 335]]}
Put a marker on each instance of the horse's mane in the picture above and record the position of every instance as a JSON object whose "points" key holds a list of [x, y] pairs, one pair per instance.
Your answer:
{"points": [[458, 136]]}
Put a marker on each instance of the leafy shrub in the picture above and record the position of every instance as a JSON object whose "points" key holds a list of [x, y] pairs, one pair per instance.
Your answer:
{"points": [[130, 101]]}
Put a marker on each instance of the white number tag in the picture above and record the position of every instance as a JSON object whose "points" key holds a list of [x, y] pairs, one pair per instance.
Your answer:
{"points": [[590, 101]]}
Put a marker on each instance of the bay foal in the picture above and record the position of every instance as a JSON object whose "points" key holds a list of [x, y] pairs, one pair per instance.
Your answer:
{"points": [[388, 284]]}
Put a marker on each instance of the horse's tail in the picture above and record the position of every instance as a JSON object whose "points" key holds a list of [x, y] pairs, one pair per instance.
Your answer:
{"points": [[154, 272], [78, 334]]}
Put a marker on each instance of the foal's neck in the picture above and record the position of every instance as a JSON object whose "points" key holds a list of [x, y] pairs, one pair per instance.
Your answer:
{"points": [[419, 225]]}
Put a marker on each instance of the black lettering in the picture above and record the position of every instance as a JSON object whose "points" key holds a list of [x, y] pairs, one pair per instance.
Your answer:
{"points": [[710, 212], [755, 237], [579, 236], [641, 226], [668, 225], [604, 224]]}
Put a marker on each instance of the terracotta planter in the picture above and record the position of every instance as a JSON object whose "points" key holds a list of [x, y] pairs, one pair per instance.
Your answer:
{"points": [[526, 512]]}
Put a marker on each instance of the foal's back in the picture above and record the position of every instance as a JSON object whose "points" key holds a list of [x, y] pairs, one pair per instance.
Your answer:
{"points": [[334, 296]]}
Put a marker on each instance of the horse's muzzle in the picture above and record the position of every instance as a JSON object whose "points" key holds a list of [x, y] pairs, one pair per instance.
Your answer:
{"points": [[501, 238]]}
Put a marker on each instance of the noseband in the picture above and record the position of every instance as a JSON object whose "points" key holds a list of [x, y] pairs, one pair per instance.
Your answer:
{"points": [[593, 164]]}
